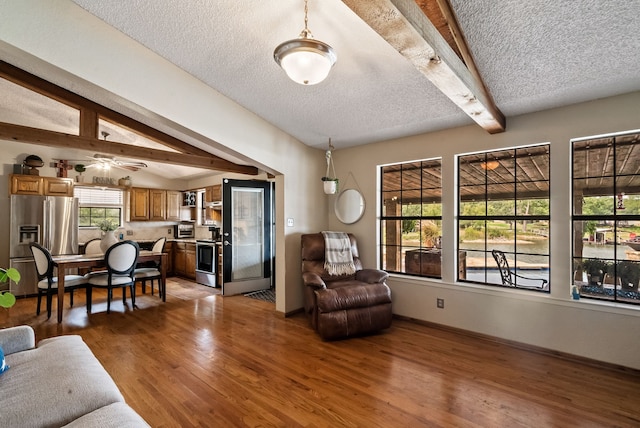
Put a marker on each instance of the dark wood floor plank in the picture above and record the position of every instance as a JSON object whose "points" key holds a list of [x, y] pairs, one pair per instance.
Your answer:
{"points": [[203, 360]]}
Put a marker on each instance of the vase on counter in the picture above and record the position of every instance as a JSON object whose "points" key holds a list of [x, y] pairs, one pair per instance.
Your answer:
{"points": [[108, 240]]}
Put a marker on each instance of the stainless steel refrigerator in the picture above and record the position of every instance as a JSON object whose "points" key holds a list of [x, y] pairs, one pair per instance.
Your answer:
{"points": [[51, 221]]}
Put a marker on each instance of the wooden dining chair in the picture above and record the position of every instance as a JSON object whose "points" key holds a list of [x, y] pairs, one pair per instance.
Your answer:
{"points": [[48, 283], [152, 272], [120, 260]]}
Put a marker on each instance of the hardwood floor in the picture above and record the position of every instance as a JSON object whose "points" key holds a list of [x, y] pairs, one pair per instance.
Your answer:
{"points": [[203, 360]]}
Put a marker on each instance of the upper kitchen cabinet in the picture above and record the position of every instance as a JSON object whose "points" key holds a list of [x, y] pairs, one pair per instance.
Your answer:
{"points": [[154, 204], [174, 202], [157, 204], [139, 204], [213, 193], [36, 185]]}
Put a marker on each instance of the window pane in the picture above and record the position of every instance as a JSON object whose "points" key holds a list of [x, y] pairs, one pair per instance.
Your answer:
{"points": [[471, 235], [473, 200], [391, 204], [532, 236]]}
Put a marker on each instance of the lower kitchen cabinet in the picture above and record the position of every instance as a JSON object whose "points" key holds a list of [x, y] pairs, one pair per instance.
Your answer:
{"points": [[184, 259], [191, 261]]}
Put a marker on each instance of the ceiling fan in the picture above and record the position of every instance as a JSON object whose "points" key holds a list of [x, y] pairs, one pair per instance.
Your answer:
{"points": [[106, 162]]}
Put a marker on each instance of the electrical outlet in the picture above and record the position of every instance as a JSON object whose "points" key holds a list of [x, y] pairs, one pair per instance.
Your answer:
{"points": [[129, 232], [440, 303], [289, 222], [169, 230]]}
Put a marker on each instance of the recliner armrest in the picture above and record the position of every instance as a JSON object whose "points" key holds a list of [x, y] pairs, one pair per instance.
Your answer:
{"points": [[313, 280], [371, 276], [16, 339]]}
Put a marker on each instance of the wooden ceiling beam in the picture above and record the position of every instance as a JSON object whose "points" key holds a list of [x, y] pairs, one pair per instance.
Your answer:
{"points": [[24, 134], [91, 111], [405, 27]]}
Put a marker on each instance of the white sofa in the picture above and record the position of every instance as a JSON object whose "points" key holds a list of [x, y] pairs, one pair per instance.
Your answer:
{"points": [[58, 383]]}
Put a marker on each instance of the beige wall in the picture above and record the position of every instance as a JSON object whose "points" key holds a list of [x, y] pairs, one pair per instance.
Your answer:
{"points": [[588, 328]]}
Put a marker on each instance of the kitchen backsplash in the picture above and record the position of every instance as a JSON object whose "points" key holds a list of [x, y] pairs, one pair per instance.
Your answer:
{"points": [[143, 231]]}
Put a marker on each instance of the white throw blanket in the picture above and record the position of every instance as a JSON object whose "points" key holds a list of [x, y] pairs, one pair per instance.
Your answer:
{"points": [[338, 259]]}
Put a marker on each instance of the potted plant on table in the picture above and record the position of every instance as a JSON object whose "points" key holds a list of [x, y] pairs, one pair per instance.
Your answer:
{"points": [[108, 238]]}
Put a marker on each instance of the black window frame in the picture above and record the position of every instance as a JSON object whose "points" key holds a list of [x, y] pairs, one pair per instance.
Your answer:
{"points": [[422, 255], [488, 161], [624, 273]]}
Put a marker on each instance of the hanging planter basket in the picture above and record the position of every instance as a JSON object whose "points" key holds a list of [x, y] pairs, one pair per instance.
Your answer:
{"points": [[330, 183]]}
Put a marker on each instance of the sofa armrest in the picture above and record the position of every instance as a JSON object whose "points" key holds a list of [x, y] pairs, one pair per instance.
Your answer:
{"points": [[371, 276], [313, 280], [16, 339]]}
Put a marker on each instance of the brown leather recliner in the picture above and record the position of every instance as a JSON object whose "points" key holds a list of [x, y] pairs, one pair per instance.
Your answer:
{"points": [[344, 305]]}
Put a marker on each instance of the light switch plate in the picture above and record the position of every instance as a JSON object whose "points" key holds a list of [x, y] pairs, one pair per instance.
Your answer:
{"points": [[289, 222]]}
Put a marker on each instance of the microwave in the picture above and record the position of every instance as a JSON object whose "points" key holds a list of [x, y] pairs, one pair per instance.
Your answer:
{"points": [[183, 231]]}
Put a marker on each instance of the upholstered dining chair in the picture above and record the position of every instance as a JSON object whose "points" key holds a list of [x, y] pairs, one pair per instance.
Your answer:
{"points": [[93, 246], [152, 272], [48, 283], [121, 262]]}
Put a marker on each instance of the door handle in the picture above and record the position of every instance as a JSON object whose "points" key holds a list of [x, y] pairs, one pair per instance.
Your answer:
{"points": [[226, 242]]}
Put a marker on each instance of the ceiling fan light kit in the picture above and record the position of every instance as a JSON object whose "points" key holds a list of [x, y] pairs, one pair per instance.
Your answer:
{"points": [[305, 60]]}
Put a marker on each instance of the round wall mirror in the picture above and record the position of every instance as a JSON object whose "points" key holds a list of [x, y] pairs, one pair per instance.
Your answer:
{"points": [[349, 206]]}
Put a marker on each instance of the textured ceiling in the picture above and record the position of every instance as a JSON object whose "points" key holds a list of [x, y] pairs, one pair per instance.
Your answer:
{"points": [[533, 55]]}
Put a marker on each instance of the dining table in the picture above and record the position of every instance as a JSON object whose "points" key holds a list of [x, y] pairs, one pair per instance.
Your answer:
{"points": [[66, 262]]}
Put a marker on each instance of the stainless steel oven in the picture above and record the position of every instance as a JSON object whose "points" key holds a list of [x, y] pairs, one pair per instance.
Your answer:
{"points": [[206, 257]]}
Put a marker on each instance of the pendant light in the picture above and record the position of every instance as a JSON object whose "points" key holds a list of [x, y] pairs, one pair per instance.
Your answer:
{"points": [[305, 60]]}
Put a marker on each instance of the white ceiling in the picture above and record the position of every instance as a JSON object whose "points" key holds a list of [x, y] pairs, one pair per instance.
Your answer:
{"points": [[533, 55]]}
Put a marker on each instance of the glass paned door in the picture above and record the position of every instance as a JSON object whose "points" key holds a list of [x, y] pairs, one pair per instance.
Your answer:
{"points": [[246, 236]]}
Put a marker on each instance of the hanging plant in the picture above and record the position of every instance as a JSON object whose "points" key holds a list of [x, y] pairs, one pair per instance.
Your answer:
{"points": [[330, 183]]}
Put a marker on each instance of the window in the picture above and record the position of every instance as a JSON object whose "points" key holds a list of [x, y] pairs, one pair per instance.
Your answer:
{"points": [[606, 217], [411, 218], [97, 204], [503, 205]]}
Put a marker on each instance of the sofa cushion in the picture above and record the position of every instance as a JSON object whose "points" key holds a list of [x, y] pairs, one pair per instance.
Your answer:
{"points": [[54, 384], [3, 364], [116, 415]]}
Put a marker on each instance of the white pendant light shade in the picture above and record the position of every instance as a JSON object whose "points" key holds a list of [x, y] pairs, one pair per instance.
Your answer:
{"points": [[306, 61]]}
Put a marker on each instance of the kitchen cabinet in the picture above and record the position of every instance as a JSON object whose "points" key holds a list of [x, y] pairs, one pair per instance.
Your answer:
{"points": [[154, 204], [157, 204], [36, 185], [179, 258], [213, 193], [168, 248], [190, 261], [139, 204], [184, 259], [174, 202]]}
